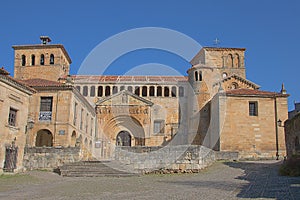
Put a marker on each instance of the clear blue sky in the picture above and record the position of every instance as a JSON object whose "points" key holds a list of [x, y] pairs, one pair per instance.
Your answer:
{"points": [[268, 29]]}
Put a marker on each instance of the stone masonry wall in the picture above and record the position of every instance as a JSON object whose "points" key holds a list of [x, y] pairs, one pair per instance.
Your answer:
{"points": [[183, 158], [292, 135], [49, 157]]}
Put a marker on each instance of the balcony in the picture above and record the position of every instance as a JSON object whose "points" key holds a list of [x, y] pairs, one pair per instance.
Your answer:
{"points": [[45, 116]]}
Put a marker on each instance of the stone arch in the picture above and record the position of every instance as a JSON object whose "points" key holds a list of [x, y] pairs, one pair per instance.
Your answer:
{"points": [[44, 137], [73, 138], [123, 139], [229, 60], [236, 62]]}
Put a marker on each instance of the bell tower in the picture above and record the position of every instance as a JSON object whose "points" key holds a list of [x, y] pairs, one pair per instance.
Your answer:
{"points": [[41, 61]]}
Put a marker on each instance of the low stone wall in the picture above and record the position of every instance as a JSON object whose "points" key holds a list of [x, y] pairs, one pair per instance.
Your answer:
{"points": [[49, 157], [182, 158], [292, 135]]}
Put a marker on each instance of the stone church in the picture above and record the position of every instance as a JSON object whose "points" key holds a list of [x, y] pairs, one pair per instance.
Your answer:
{"points": [[214, 105]]}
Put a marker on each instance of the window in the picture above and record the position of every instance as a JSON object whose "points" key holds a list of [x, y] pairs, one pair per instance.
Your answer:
{"points": [[12, 117], [181, 91], [137, 91], [75, 114], [122, 88], [144, 91], [196, 76], [115, 89], [200, 76], [46, 109], [166, 91], [129, 88], [107, 91], [151, 91], [85, 91], [174, 91], [51, 59], [78, 88], [92, 91], [253, 108], [23, 60], [159, 91], [100, 91], [42, 60], [32, 60], [158, 126]]}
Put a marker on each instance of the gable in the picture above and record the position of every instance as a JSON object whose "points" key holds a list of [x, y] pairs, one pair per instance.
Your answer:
{"points": [[124, 98], [236, 82]]}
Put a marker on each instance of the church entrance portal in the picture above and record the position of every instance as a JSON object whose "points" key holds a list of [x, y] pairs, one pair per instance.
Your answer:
{"points": [[44, 138], [124, 139]]}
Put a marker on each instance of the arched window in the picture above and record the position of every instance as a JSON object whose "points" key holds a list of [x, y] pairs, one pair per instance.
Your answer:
{"points": [[78, 88], [181, 91], [129, 88], [174, 91], [229, 60], [137, 90], [115, 89], [151, 91], [237, 61], [166, 91], [196, 76], [51, 59], [144, 91], [159, 91], [224, 75], [100, 91], [32, 60], [42, 60], [200, 76], [107, 91], [122, 88], [85, 91], [23, 60], [92, 91]]}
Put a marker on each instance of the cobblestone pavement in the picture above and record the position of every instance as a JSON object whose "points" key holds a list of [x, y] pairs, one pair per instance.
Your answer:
{"points": [[232, 180]]}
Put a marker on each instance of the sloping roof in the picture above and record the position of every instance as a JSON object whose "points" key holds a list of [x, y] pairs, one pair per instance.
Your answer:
{"points": [[249, 92], [42, 83], [234, 76], [116, 78]]}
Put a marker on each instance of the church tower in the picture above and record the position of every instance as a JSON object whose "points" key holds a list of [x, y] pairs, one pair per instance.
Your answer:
{"points": [[41, 61]]}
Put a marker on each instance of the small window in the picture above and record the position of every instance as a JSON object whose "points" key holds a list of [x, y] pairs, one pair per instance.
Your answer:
{"points": [[107, 91], [159, 91], [129, 88], [100, 91], [92, 91], [23, 60], [78, 88], [32, 60], [158, 126], [137, 91], [174, 91], [115, 89], [85, 91], [181, 91], [200, 76], [166, 91], [12, 117], [51, 59], [151, 91], [122, 88], [253, 108], [42, 61], [196, 76], [144, 91]]}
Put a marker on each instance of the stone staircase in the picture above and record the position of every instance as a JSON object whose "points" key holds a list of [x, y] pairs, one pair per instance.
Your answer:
{"points": [[97, 169]]}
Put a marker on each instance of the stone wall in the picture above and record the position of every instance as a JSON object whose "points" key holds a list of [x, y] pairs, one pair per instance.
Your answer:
{"points": [[49, 157], [183, 158], [292, 135]]}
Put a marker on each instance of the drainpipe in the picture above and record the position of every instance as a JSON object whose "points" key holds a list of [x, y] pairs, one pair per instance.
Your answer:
{"points": [[276, 127]]}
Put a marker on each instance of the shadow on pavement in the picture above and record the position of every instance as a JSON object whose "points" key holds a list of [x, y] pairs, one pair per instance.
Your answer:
{"points": [[265, 182]]}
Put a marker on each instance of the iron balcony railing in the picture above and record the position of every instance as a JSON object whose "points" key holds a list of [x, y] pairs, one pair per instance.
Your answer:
{"points": [[45, 116]]}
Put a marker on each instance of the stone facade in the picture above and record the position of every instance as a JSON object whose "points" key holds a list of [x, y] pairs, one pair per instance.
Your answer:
{"points": [[292, 135]]}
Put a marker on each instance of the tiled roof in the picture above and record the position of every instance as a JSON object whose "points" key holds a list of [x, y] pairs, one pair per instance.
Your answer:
{"points": [[249, 92], [41, 83], [108, 78]]}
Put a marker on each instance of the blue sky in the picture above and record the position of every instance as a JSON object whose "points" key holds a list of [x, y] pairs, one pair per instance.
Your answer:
{"points": [[269, 30]]}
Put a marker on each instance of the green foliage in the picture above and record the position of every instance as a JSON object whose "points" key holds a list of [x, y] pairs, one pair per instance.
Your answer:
{"points": [[290, 167]]}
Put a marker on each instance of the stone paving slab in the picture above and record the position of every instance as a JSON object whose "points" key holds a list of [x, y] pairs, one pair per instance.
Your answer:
{"points": [[226, 180]]}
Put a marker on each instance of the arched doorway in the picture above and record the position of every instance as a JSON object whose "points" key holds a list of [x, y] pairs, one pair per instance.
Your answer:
{"points": [[123, 139], [44, 138], [73, 139]]}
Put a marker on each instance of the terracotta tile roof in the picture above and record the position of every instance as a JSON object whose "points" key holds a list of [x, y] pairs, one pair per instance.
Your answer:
{"points": [[41, 83], [3, 71], [249, 92], [116, 78]]}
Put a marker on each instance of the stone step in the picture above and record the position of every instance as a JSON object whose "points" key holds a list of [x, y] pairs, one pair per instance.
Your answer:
{"points": [[97, 169]]}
